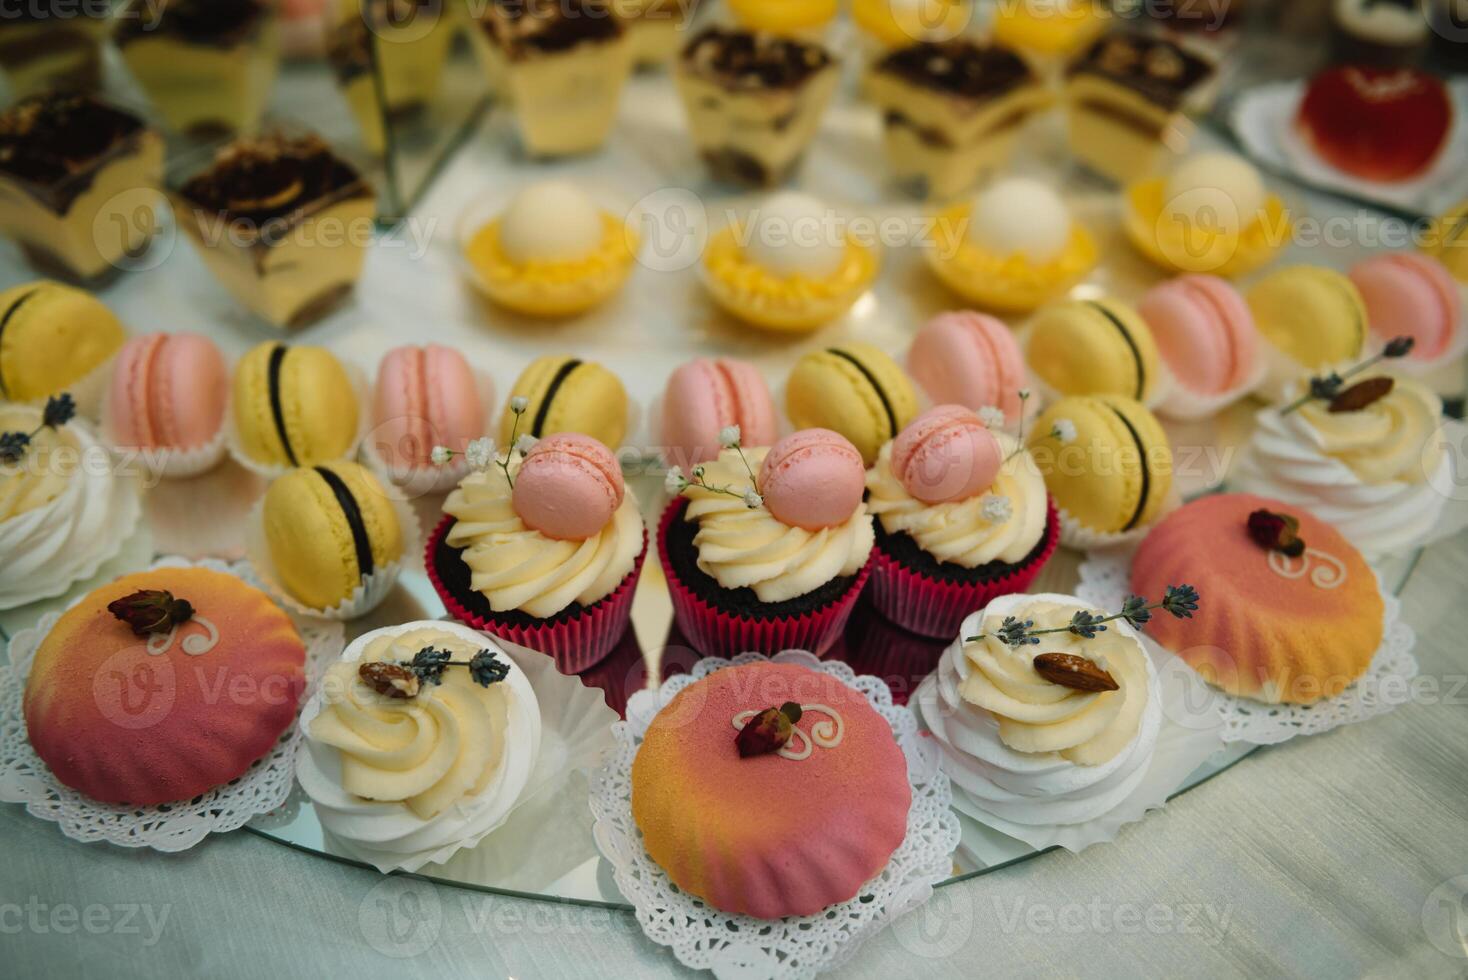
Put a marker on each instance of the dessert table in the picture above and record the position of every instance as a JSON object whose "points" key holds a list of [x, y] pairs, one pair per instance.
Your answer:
{"points": [[1329, 856], [1336, 855]]}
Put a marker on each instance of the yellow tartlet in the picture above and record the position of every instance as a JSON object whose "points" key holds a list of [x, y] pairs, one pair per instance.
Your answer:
{"points": [[1182, 246], [1057, 30], [794, 303], [784, 16], [1004, 283], [553, 289], [896, 25]]}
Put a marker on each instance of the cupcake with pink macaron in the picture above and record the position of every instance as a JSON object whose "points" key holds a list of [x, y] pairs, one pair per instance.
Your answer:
{"points": [[767, 549], [962, 516], [167, 402], [541, 545], [705, 396], [1206, 336], [970, 359], [425, 397], [1408, 294]]}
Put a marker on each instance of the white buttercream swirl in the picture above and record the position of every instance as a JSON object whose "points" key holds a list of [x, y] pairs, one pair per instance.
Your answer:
{"points": [[1365, 472], [404, 778], [748, 547], [516, 567], [1037, 753], [64, 508], [961, 532]]}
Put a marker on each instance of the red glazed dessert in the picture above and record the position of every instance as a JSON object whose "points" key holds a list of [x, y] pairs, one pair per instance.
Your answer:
{"points": [[726, 825], [166, 715], [1383, 124], [1291, 611]]}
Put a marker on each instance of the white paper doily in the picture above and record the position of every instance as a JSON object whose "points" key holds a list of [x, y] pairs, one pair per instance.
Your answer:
{"points": [[1106, 581], [24, 778], [702, 937]]}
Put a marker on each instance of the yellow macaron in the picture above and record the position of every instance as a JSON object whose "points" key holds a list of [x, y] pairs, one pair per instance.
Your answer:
{"points": [[293, 406], [1093, 347], [328, 527], [1105, 460], [1449, 241], [565, 394], [853, 389], [52, 336], [1313, 314]]}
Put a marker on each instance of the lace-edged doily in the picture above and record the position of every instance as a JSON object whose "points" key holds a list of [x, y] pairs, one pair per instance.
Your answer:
{"points": [[24, 778], [1105, 581], [702, 937]]}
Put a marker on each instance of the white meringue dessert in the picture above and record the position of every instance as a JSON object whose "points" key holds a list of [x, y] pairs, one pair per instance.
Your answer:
{"points": [[1031, 751], [402, 781]]}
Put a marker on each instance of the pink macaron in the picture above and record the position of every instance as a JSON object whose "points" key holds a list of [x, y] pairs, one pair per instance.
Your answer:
{"points": [[702, 397], [813, 479], [169, 391], [568, 487], [946, 454], [1204, 331], [1410, 295], [969, 359], [425, 397]]}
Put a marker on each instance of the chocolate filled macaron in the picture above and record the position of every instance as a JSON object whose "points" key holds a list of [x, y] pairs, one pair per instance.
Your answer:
{"points": [[292, 406], [1094, 347], [855, 390], [566, 394], [1108, 465], [329, 531]]}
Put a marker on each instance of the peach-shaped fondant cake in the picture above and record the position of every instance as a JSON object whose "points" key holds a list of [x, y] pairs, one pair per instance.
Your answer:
{"points": [[164, 716], [786, 832], [1272, 625]]}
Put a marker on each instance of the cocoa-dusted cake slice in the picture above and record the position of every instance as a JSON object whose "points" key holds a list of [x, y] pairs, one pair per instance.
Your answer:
{"points": [[1128, 97], [563, 63], [754, 101], [207, 65], [282, 221], [75, 174], [951, 111]]}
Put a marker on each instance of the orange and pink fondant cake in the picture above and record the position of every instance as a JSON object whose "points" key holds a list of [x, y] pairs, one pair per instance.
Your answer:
{"points": [[787, 832], [1289, 624], [164, 716]]}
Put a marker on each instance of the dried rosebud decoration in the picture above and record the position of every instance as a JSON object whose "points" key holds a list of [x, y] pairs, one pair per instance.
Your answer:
{"points": [[768, 731], [151, 611], [390, 680], [1276, 532], [1361, 395]]}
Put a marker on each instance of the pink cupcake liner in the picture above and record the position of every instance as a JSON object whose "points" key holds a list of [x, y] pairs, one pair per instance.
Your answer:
{"points": [[935, 608], [576, 644], [715, 633]]}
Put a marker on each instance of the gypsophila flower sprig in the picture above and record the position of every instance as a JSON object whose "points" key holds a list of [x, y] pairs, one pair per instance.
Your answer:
{"points": [[1329, 386], [1019, 445], [481, 453], [729, 436], [1180, 601], [59, 410]]}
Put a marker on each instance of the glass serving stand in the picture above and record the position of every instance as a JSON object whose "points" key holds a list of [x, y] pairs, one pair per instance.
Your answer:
{"points": [[415, 288]]}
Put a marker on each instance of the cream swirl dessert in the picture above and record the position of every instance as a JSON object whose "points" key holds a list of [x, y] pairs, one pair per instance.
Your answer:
{"points": [[406, 766], [740, 546], [1003, 522], [66, 506], [1367, 470], [1026, 749], [517, 567]]}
